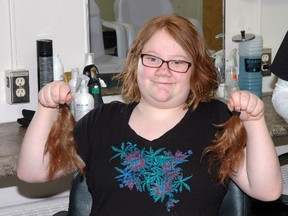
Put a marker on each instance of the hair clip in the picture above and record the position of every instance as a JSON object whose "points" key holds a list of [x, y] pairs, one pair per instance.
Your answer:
{"points": [[237, 113], [63, 105]]}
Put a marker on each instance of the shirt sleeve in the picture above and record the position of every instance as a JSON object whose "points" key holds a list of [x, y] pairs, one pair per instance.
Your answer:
{"points": [[279, 66], [280, 98]]}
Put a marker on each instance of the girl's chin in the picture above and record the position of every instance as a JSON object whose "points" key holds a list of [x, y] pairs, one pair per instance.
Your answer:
{"points": [[161, 98]]}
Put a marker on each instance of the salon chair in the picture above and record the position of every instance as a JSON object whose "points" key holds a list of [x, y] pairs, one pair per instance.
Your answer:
{"points": [[106, 64], [235, 202]]}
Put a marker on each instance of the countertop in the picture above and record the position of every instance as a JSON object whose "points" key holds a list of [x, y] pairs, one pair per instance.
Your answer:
{"points": [[11, 135]]}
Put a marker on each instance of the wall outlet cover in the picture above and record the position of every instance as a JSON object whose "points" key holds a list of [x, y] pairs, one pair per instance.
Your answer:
{"points": [[17, 86]]}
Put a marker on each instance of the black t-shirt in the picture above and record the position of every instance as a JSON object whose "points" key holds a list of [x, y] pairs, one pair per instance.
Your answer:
{"points": [[128, 175], [280, 63]]}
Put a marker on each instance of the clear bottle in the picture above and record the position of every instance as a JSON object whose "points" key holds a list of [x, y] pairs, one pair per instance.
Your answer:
{"points": [[84, 102], [231, 80], [219, 64], [58, 68], [72, 84]]}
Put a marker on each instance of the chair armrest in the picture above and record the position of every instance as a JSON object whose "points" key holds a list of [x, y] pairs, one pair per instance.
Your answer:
{"points": [[130, 32], [122, 45], [235, 202]]}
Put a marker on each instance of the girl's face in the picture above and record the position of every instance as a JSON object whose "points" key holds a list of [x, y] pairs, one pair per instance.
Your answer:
{"points": [[162, 87]]}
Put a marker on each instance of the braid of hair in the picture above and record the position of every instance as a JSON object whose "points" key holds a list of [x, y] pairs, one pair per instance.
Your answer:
{"points": [[227, 150], [61, 144]]}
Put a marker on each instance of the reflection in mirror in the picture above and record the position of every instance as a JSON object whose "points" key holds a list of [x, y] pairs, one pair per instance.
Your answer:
{"points": [[209, 13], [213, 23]]}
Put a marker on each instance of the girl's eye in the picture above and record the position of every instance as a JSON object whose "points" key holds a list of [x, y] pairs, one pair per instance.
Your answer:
{"points": [[177, 62], [153, 59]]}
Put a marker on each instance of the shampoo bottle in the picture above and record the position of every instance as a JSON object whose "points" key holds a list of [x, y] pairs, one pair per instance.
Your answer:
{"points": [[84, 102], [231, 80]]}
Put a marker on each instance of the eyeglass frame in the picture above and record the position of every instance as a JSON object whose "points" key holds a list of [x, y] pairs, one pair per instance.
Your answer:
{"points": [[189, 64]]}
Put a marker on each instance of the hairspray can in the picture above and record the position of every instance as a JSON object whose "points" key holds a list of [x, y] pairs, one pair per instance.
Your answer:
{"points": [[44, 62]]}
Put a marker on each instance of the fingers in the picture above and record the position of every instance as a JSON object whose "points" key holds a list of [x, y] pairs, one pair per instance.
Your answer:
{"points": [[55, 93], [243, 101]]}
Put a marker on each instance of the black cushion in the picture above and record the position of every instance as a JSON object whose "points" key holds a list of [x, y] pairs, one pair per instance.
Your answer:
{"points": [[80, 200], [235, 202]]}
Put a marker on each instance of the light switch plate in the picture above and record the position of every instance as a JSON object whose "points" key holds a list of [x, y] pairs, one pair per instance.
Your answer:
{"points": [[17, 86]]}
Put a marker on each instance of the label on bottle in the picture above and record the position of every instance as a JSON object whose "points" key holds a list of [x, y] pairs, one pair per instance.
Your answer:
{"points": [[82, 109], [252, 65]]}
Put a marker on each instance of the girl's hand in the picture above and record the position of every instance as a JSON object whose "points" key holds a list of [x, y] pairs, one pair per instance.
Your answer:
{"points": [[250, 106], [55, 93]]}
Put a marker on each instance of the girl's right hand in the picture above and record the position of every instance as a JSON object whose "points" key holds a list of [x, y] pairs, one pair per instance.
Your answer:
{"points": [[55, 93]]}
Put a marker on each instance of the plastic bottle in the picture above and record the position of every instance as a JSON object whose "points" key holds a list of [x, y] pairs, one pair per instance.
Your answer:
{"points": [[44, 62], [231, 81], [89, 65], [219, 64], [97, 96], [72, 84], [84, 102], [94, 84], [250, 77], [58, 69]]}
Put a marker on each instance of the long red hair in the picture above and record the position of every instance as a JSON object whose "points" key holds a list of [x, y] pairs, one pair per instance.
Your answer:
{"points": [[227, 149]]}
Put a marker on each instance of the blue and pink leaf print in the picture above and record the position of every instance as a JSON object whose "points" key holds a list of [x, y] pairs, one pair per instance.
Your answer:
{"points": [[157, 172]]}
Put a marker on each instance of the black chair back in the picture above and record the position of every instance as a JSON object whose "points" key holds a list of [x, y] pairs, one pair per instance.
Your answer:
{"points": [[235, 202]]}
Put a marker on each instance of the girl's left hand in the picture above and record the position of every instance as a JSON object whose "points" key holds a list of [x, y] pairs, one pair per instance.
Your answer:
{"points": [[250, 106]]}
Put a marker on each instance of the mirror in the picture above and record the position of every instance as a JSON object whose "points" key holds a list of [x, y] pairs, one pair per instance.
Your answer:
{"points": [[209, 13]]}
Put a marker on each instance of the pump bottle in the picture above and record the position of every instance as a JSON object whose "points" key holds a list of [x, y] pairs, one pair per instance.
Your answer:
{"points": [[84, 102], [231, 80]]}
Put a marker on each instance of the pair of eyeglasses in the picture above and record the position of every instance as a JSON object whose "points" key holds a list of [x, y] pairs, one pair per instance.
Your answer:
{"points": [[177, 66]]}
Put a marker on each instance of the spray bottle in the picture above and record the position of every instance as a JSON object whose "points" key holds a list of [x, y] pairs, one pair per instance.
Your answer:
{"points": [[231, 80], [72, 84], [219, 64], [84, 102]]}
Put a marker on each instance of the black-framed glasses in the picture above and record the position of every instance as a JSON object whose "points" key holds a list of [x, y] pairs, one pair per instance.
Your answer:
{"points": [[178, 66]]}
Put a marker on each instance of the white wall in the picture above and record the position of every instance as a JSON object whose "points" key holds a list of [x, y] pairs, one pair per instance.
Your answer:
{"points": [[65, 22], [265, 17], [261, 17]]}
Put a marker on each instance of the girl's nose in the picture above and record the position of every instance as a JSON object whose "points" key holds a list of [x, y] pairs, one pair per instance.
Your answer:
{"points": [[164, 70]]}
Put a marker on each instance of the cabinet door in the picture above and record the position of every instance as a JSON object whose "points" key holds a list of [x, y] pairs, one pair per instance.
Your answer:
{"points": [[212, 23]]}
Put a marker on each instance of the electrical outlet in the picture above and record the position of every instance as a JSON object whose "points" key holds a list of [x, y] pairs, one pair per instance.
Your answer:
{"points": [[20, 81], [17, 86], [266, 61]]}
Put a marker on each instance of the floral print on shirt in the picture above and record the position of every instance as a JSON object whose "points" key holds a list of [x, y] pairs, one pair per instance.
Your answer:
{"points": [[156, 171]]}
